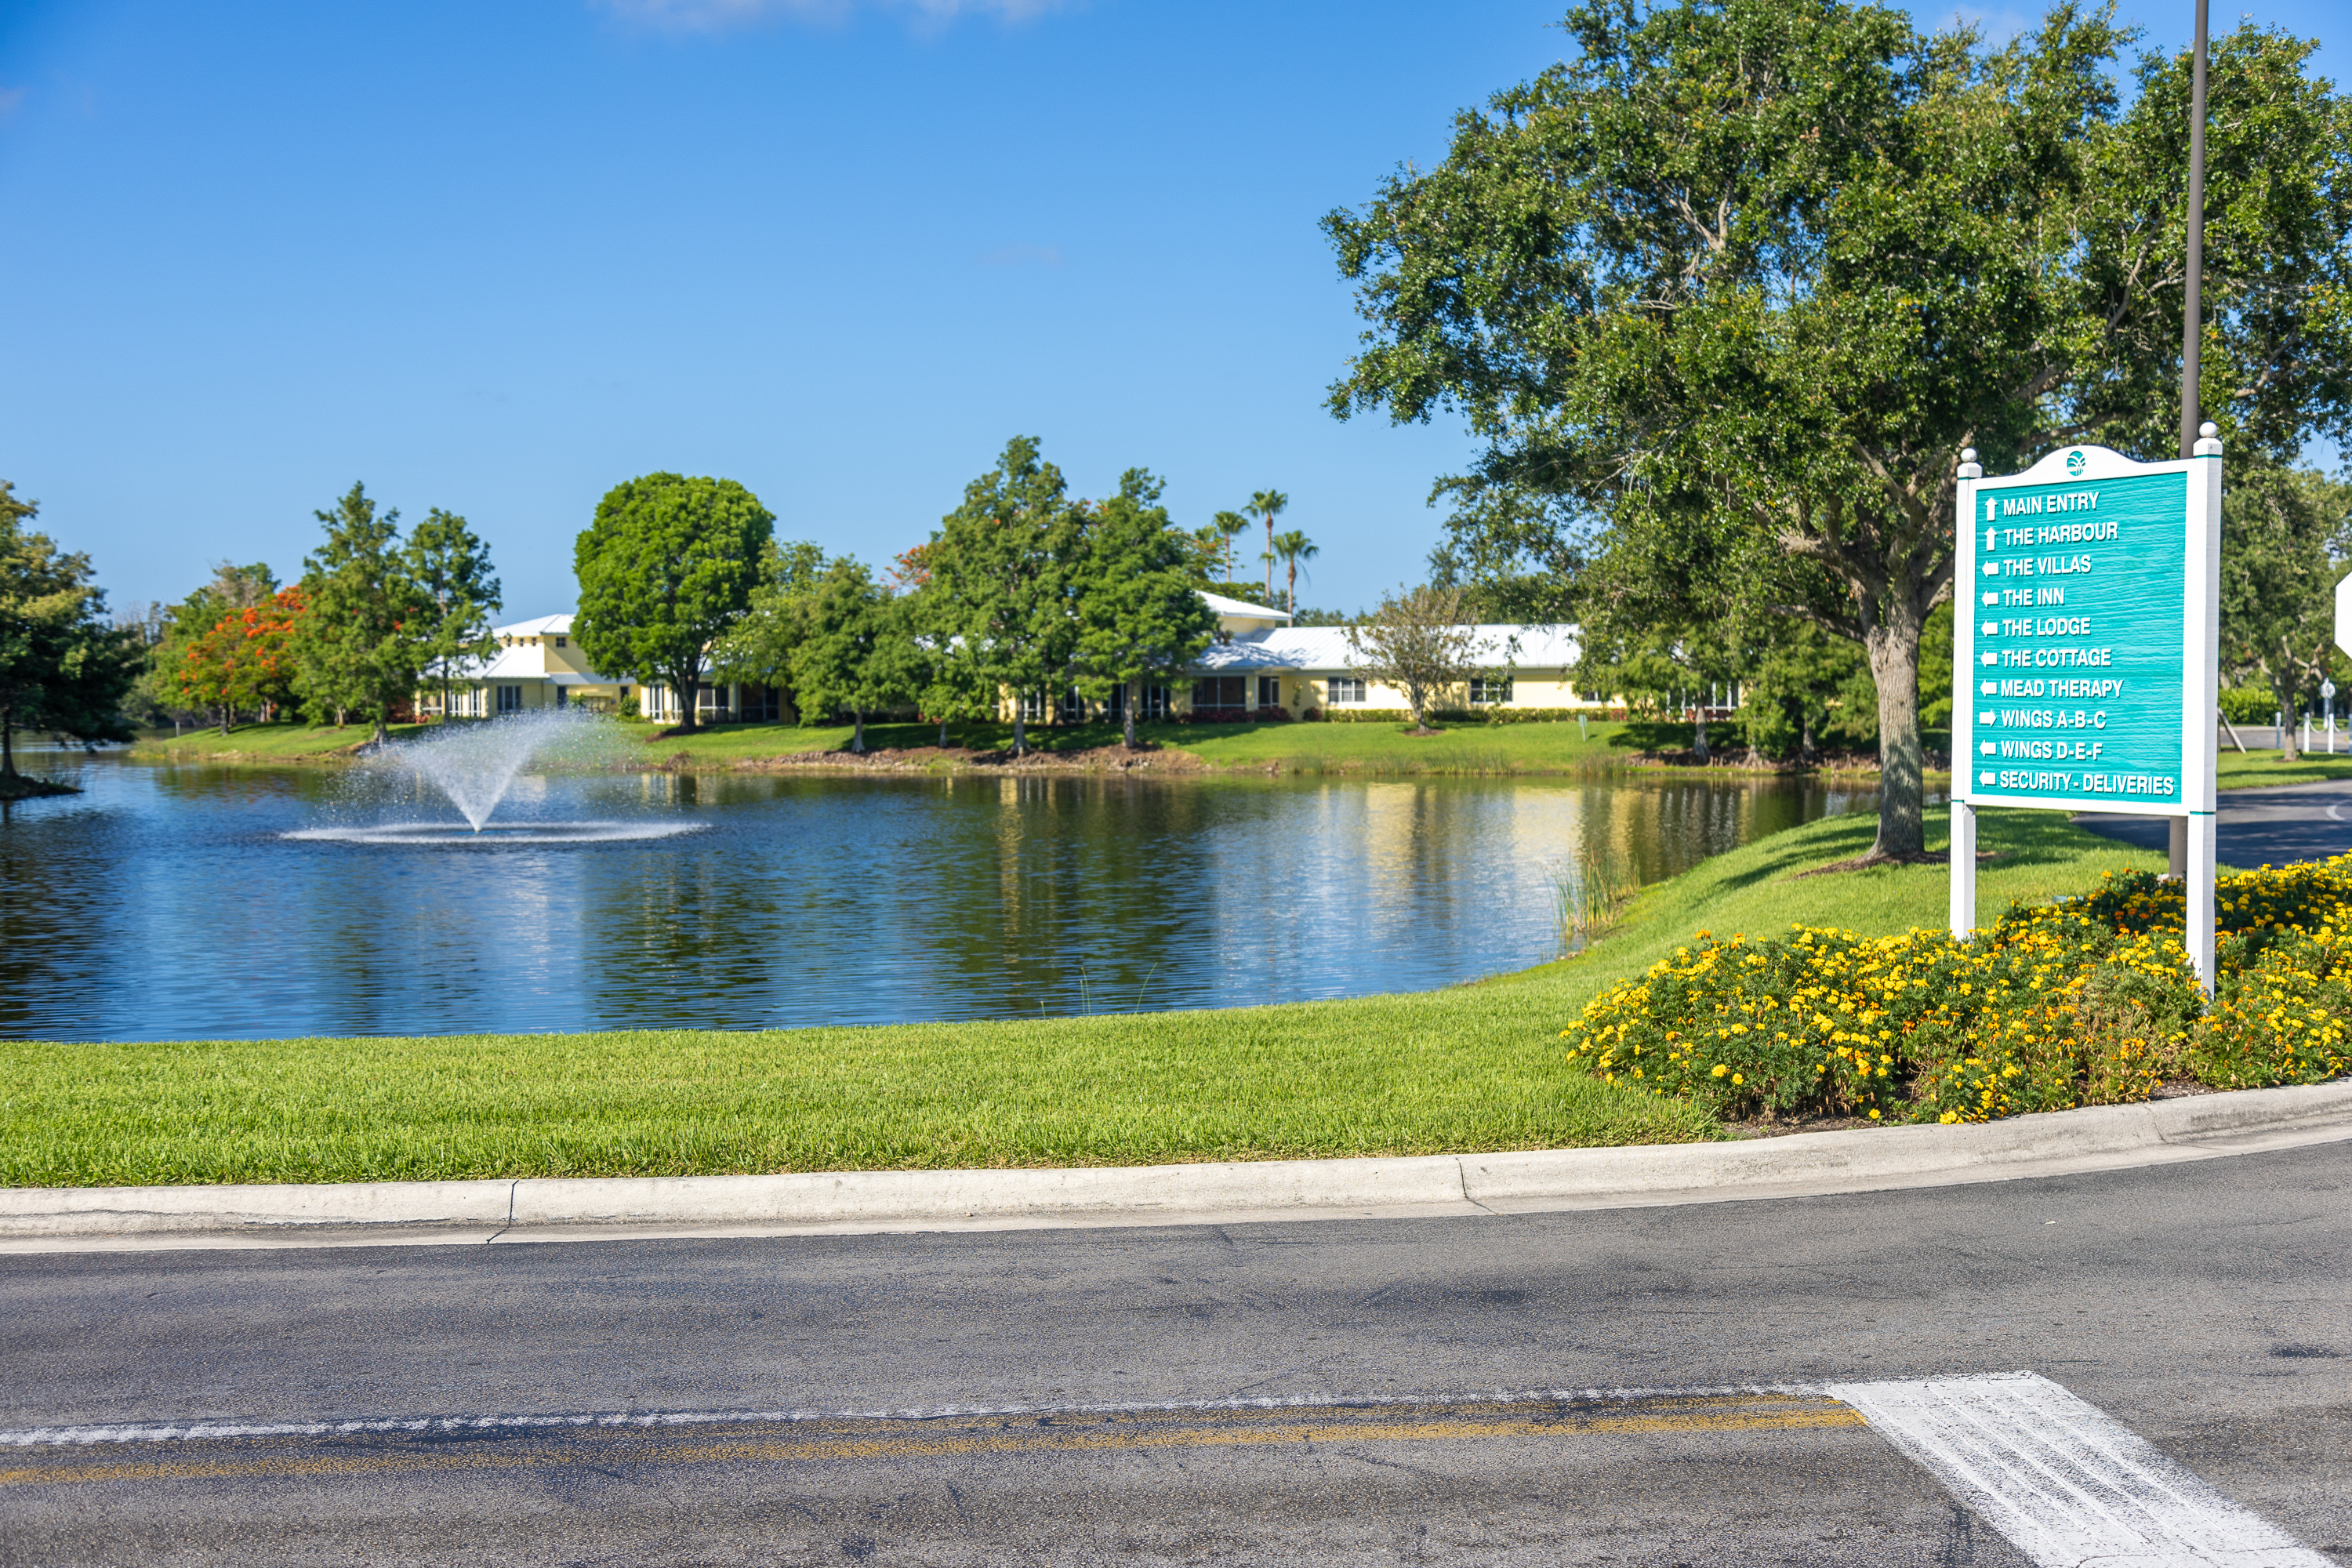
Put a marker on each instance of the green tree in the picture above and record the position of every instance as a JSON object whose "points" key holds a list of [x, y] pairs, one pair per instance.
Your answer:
{"points": [[2278, 583], [451, 567], [1004, 566], [760, 646], [1269, 504], [665, 569], [1290, 548], [855, 653], [62, 666], [362, 639], [1420, 642], [1749, 275], [1139, 617]]}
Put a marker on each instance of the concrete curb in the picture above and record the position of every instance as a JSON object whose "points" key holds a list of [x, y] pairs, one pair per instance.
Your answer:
{"points": [[1859, 1161]]}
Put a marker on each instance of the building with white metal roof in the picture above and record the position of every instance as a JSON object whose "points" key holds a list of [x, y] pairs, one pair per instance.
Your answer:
{"points": [[1257, 664]]}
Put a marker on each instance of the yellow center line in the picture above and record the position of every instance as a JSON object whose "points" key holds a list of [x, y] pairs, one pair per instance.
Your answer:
{"points": [[843, 1440]]}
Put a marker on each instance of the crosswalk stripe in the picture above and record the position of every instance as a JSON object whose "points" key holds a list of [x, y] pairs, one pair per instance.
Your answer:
{"points": [[2065, 1482]]}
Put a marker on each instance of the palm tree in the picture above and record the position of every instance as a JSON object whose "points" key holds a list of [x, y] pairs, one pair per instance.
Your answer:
{"points": [[1230, 526], [1266, 503], [1293, 547]]}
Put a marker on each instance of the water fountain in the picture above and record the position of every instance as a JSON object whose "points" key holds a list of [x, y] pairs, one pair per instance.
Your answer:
{"points": [[474, 765]]}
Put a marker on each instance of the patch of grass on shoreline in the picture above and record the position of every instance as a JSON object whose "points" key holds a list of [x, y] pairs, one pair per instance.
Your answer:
{"points": [[1476, 1066], [1364, 750]]}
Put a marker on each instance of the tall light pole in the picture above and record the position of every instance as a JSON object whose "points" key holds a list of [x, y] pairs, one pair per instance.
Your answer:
{"points": [[2192, 321]]}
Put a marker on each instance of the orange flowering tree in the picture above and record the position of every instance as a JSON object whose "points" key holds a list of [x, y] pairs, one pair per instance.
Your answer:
{"points": [[245, 660]]}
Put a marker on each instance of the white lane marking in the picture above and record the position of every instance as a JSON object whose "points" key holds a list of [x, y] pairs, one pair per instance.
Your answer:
{"points": [[2066, 1483], [198, 1430]]}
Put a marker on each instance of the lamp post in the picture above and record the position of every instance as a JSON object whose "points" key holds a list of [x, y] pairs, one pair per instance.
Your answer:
{"points": [[2192, 320]]}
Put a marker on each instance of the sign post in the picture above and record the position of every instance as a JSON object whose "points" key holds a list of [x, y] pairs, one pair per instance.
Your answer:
{"points": [[2086, 649]]}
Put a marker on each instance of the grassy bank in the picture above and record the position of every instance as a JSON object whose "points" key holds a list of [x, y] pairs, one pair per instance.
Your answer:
{"points": [[1367, 750], [1473, 1066], [1283, 747]]}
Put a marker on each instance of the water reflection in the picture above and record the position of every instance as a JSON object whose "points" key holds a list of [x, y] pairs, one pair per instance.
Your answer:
{"points": [[166, 903]]}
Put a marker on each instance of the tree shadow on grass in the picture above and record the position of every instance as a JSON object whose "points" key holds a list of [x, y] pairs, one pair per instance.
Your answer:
{"points": [[2015, 839]]}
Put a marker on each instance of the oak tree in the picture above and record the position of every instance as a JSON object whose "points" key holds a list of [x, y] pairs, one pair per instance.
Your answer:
{"points": [[668, 565]]}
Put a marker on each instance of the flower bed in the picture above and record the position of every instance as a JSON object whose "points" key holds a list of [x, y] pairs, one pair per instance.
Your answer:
{"points": [[2088, 1001]]}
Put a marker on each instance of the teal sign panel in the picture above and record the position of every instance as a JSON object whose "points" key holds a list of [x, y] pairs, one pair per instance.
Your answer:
{"points": [[2074, 601]]}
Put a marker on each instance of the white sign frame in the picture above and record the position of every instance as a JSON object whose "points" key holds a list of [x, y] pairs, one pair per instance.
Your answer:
{"points": [[2200, 685]]}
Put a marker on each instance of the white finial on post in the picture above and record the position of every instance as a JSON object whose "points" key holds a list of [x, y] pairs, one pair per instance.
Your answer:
{"points": [[2208, 440], [1969, 468]]}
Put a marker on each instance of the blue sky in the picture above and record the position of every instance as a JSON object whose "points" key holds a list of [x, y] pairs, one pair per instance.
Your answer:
{"points": [[497, 257]]}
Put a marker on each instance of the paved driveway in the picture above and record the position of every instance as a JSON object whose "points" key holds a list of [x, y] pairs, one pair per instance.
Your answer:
{"points": [[2257, 826]]}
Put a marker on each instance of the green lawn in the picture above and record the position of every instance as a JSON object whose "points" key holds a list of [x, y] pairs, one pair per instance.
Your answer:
{"points": [[266, 742], [1369, 750], [1473, 1066], [1311, 748], [1286, 747], [2257, 770]]}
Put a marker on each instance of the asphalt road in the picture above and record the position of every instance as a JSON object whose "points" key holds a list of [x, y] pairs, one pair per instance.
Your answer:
{"points": [[2206, 1305], [2254, 826]]}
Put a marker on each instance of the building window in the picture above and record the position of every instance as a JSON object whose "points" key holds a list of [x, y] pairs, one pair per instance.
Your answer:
{"points": [[509, 699], [1346, 689], [559, 642], [1221, 692], [1158, 702], [1486, 688], [1072, 708], [1269, 691], [1034, 707]]}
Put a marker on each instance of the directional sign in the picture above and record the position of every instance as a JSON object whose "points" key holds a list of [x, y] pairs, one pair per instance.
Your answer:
{"points": [[2086, 652], [2344, 615], [2073, 637]]}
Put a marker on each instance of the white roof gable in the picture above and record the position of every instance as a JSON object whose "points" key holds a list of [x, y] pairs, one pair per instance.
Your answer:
{"points": [[545, 627], [1322, 648], [1242, 607]]}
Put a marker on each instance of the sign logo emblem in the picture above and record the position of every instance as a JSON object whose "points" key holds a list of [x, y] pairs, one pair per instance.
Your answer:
{"points": [[2075, 462]]}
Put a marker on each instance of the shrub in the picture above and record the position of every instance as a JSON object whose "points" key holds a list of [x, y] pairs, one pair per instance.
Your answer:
{"points": [[1479, 715], [1234, 716], [2088, 1001]]}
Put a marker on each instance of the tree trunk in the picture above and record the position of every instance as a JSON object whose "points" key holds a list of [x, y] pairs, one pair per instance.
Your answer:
{"points": [[943, 734], [382, 736], [1698, 744], [1894, 648], [2285, 697], [1290, 595], [1020, 731], [1270, 555], [7, 744], [1128, 713], [684, 692], [1807, 752], [228, 716], [857, 731]]}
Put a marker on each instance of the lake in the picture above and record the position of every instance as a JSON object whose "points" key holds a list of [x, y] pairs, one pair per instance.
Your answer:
{"points": [[171, 902]]}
